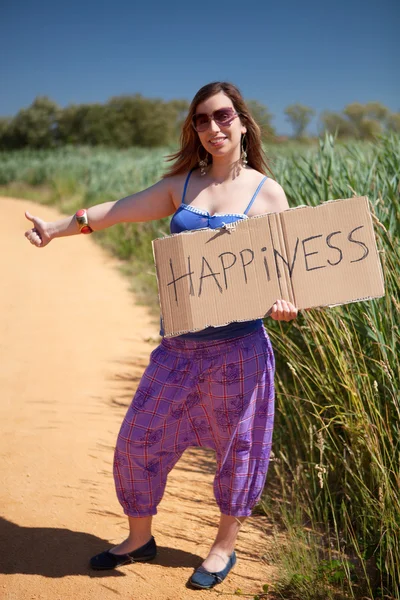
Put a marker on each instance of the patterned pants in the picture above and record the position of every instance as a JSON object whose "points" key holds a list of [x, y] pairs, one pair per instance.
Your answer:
{"points": [[216, 394]]}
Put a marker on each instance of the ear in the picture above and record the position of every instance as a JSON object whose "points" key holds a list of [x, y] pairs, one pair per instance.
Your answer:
{"points": [[243, 130]]}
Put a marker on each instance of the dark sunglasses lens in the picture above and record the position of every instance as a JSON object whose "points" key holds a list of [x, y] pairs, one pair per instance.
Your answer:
{"points": [[200, 122], [224, 116]]}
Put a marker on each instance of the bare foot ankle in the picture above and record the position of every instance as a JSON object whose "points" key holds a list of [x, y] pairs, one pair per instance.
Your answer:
{"points": [[129, 545], [216, 560]]}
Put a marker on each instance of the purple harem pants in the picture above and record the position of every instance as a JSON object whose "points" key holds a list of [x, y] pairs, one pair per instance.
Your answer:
{"points": [[216, 394]]}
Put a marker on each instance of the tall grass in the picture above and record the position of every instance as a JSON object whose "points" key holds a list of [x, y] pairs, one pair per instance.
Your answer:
{"points": [[337, 436], [337, 433]]}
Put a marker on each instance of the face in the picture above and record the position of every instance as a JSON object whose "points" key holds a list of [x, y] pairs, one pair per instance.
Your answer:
{"points": [[218, 139]]}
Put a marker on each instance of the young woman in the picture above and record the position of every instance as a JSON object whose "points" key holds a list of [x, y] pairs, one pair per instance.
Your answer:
{"points": [[212, 388]]}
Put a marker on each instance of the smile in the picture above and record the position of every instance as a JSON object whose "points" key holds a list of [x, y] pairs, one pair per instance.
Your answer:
{"points": [[217, 141]]}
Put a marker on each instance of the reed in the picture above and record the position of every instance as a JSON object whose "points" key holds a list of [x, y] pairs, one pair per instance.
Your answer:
{"points": [[337, 442]]}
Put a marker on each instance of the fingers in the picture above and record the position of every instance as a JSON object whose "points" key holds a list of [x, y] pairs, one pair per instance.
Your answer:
{"points": [[283, 311], [34, 237], [32, 234]]}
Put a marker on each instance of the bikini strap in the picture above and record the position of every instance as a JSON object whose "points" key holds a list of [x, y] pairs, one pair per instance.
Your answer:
{"points": [[255, 194], [186, 184]]}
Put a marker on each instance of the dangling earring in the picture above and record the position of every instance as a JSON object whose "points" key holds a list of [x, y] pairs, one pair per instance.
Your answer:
{"points": [[203, 162], [243, 155]]}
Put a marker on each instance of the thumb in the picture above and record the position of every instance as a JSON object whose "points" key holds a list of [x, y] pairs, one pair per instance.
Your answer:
{"points": [[29, 216]]}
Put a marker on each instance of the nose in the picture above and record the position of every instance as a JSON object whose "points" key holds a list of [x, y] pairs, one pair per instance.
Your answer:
{"points": [[213, 126]]}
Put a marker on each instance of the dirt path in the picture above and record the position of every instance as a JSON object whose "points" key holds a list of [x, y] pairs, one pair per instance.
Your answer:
{"points": [[64, 391]]}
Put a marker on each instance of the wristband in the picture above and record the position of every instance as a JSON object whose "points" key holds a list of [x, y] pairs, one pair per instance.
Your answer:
{"points": [[82, 220]]}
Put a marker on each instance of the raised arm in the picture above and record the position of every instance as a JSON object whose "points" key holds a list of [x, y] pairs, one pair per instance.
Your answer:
{"points": [[152, 203]]}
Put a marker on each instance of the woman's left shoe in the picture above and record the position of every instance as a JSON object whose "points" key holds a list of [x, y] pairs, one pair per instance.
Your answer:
{"points": [[205, 580]]}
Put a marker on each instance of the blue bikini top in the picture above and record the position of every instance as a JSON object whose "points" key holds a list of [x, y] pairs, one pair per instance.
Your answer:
{"points": [[189, 217]]}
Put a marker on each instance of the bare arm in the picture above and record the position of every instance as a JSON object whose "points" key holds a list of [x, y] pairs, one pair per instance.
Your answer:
{"points": [[153, 203]]}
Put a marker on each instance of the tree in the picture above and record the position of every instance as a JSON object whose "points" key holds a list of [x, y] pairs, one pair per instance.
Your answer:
{"points": [[125, 114], [299, 117], [362, 121], [146, 122], [71, 124], [336, 124], [124, 121], [35, 126], [179, 110], [355, 114], [377, 111], [263, 118], [393, 122], [368, 119], [4, 133]]}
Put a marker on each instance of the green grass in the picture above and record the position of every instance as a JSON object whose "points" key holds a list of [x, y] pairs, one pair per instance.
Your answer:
{"points": [[333, 484]]}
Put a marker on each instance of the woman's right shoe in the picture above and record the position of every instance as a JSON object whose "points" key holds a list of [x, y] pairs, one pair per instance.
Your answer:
{"points": [[108, 560]]}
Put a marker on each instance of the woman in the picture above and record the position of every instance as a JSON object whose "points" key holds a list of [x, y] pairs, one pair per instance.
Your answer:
{"points": [[211, 388]]}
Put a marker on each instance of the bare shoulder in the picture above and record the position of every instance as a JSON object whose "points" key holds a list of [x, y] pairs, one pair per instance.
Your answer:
{"points": [[175, 185], [273, 197]]}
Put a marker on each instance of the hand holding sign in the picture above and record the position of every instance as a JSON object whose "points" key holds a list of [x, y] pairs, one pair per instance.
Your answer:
{"points": [[283, 311]]}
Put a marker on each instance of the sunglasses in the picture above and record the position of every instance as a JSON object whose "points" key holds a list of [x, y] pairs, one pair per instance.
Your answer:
{"points": [[223, 118]]}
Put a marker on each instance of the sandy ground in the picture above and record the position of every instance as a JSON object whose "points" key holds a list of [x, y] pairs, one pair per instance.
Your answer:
{"points": [[73, 346]]}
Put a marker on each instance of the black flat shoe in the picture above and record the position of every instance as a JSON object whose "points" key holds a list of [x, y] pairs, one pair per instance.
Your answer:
{"points": [[108, 560], [205, 580]]}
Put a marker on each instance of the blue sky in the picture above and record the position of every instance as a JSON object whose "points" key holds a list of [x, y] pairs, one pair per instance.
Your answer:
{"points": [[322, 54]]}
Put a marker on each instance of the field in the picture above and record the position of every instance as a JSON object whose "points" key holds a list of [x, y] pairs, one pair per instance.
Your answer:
{"points": [[334, 481]]}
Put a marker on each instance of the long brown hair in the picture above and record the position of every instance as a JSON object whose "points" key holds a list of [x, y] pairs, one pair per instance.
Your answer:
{"points": [[188, 156]]}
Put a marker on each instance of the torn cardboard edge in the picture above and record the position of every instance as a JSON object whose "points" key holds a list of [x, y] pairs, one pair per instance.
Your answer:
{"points": [[311, 256]]}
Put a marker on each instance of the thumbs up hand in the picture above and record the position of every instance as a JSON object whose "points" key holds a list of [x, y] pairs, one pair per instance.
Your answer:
{"points": [[39, 235]]}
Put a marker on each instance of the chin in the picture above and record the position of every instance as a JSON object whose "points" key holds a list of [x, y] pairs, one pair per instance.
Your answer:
{"points": [[219, 151]]}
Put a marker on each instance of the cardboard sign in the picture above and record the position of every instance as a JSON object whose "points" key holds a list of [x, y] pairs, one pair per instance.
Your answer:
{"points": [[311, 256]]}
